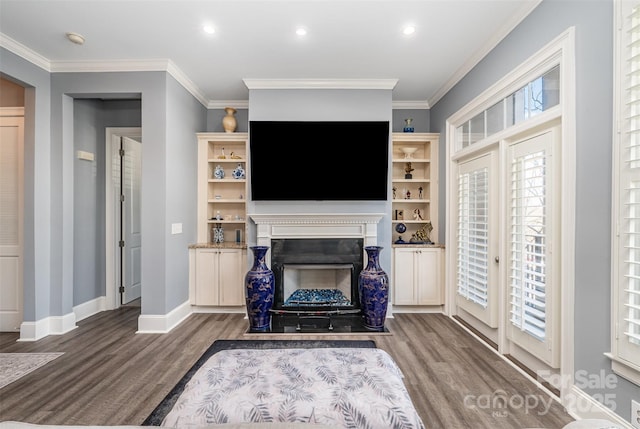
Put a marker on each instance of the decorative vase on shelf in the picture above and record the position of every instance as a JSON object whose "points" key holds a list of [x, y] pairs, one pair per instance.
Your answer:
{"points": [[229, 122], [408, 128], [373, 287], [218, 172], [259, 287], [238, 172]]}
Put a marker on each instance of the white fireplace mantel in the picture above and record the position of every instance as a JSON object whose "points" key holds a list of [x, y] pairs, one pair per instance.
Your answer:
{"points": [[313, 225]]}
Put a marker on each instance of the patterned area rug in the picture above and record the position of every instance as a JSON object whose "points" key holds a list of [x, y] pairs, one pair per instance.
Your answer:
{"points": [[157, 416], [16, 365]]}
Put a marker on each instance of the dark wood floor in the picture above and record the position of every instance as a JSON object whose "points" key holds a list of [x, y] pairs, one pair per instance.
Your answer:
{"points": [[109, 375]]}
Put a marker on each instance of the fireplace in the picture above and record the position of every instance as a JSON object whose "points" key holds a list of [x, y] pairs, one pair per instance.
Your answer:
{"points": [[316, 273], [316, 260]]}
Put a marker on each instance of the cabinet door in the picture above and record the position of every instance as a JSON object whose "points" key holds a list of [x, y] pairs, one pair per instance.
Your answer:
{"points": [[206, 277], [429, 289], [404, 277], [231, 276]]}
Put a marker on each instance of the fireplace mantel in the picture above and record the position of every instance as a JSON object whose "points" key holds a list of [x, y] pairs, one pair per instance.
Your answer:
{"points": [[315, 225]]}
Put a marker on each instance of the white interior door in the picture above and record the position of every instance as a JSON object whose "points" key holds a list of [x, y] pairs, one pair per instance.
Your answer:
{"points": [[131, 165], [11, 205]]}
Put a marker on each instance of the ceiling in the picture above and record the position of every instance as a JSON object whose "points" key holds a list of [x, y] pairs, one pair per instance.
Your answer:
{"points": [[255, 39]]}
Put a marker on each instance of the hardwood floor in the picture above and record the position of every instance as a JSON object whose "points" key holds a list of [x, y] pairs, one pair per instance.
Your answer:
{"points": [[109, 375]]}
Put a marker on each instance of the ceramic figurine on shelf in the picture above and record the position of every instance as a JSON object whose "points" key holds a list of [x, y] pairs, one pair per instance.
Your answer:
{"points": [[420, 192], [417, 214], [222, 155], [407, 195], [394, 192], [234, 156], [407, 171]]}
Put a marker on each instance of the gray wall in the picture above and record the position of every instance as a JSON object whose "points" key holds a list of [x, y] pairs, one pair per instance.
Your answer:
{"points": [[37, 184], [324, 105], [593, 22], [90, 117]]}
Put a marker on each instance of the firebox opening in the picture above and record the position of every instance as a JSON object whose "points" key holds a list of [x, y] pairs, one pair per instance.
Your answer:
{"points": [[324, 285], [317, 272]]}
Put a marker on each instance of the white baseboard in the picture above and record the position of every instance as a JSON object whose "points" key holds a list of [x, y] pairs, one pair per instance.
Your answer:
{"points": [[90, 308], [54, 325], [582, 406], [163, 323]]}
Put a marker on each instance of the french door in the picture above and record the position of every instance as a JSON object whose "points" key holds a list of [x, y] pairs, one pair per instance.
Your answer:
{"points": [[506, 199], [476, 268]]}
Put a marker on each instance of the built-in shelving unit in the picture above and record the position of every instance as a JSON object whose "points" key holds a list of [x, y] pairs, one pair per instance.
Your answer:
{"points": [[415, 183], [222, 200]]}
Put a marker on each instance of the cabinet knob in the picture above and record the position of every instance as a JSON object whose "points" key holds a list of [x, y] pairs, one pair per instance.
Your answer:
{"points": [[497, 259]]}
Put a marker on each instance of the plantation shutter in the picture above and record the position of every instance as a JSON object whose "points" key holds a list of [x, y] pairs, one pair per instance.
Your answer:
{"points": [[527, 277], [629, 285], [533, 288], [474, 294]]}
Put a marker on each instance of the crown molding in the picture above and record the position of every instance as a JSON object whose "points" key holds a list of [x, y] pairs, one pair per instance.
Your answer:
{"points": [[498, 35], [22, 51], [408, 104], [169, 66], [320, 83], [221, 104]]}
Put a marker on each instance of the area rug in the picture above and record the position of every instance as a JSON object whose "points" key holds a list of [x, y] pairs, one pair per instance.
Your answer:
{"points": [[13, 366], [158, 414]]}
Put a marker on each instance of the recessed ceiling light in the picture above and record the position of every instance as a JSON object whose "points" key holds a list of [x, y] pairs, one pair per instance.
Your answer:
{"points": [[409, 29], [300, 31], [76, 38], [209, 29]]}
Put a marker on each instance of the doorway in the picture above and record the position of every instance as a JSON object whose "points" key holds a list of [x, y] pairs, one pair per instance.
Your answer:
{"points": [[11, 218], [123, 227]]}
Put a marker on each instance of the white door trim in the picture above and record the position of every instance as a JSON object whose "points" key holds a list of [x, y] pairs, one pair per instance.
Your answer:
{"points": [[111, 293]]}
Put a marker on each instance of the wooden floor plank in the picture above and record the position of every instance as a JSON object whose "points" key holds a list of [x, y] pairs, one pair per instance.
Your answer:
{"points": [[110, 375]]}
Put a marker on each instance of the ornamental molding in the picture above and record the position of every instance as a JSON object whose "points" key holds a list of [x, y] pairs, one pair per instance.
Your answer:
{"points": [[316, 219]]}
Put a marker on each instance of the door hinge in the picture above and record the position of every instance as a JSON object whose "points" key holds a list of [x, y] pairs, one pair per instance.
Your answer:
{"points": [[121, 152], [121, 290], [122, 198], [121, 243]]}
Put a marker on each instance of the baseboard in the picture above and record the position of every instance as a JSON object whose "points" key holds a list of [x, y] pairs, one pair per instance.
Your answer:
{"points": [[163, 323], [54, 325], [582, 406], [90, 308]]}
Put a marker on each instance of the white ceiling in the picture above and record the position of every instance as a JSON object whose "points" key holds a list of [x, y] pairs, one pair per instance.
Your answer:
{"points": [[255, 39]]}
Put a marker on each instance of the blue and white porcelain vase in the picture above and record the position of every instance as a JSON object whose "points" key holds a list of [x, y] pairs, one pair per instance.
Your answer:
{"points": [[373, 287], [238, 172], [259, 287], [218, 172]]}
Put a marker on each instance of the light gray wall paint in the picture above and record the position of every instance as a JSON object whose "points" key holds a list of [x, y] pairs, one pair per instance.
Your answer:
{"points": [[214, 120], [324, 105], [185, 117], [90, 118], [421, 120], [37, 186], [593, 22]]}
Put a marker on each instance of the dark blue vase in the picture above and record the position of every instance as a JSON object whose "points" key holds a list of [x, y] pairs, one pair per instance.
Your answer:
{"points": [[373, 287], [259, 285]]}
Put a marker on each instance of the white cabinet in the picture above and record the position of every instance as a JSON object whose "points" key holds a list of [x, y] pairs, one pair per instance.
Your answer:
{"points": [[417, 275], [217, 276]]}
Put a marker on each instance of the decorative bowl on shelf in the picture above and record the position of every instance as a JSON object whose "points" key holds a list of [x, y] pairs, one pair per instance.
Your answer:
{"points": [[408, 151]]}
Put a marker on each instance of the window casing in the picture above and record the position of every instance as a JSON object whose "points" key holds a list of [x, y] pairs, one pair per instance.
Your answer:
{"points": [[625, 352]]}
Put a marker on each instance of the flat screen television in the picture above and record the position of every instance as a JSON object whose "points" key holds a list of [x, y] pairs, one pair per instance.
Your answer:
{"points": [[319, 160]]}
